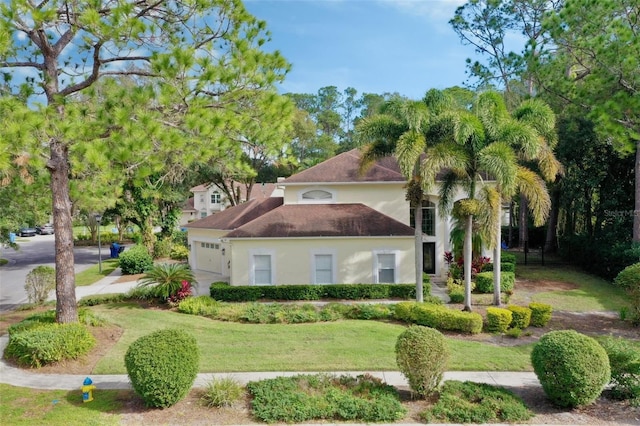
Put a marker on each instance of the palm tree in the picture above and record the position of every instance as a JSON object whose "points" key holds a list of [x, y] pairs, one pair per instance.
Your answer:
{"points": [[399, 128], [470, 147], [531, 132], [167, 279]]}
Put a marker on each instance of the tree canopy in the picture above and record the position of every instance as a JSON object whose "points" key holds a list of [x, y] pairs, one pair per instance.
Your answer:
{"points": [[198, 73]]}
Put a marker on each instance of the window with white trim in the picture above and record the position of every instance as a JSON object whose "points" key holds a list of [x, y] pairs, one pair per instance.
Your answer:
{"points": [[428, 218], [215, 198], [261, 268], [323, 268], [385, 267]]}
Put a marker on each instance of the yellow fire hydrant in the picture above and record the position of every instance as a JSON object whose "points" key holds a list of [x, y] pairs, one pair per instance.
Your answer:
{"points": [[87, 390]]}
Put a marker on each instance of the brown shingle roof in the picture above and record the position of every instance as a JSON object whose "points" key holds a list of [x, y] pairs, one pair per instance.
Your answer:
{"points": [[326, 220], [344, 168], [236, 216]]}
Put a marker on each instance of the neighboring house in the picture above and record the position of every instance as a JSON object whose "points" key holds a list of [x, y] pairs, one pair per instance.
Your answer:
{"points": [[189, 213], [208, 199], [331, 225]]}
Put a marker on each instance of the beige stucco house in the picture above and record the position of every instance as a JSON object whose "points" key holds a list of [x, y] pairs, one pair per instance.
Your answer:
{"points": [[331, 224]]}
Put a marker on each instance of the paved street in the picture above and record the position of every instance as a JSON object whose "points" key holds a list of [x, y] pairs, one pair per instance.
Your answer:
{"points": [[35, 251]]}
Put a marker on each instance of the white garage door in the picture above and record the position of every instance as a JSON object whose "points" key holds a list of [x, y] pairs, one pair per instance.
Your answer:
{"points": [[208, 257]]}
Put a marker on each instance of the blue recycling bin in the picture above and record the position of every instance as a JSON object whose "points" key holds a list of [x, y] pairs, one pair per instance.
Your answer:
{"points": [[12, 237], [115, 250]]}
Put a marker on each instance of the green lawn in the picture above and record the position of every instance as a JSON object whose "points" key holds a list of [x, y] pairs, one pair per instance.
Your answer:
{"points": [[329, 346], [92, 274], [592, 293], [23, 406]]}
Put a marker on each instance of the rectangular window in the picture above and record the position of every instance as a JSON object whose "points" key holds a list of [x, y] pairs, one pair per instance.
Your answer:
{"points": [[203, 214], [324, 268], [386, 268], [215, 198], [262, 269]]}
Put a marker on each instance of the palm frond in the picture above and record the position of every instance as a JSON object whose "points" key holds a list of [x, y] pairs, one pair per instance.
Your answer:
{"points": [[416, 115], [440, 157], [449, 182], [549, 165], [374, 152], [469, 131], [167, 278], [438, 101], [521, 137], [379, 127], [535, 191], [489, 217], [492, 111], [537, 114], [499, 160], [408, 150]]}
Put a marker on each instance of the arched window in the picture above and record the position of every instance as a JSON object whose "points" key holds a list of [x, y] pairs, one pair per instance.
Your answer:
{"points": [[316, 195], [428, 218]]}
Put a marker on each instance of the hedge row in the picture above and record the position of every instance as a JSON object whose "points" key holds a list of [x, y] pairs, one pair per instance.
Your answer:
{"points": [[439, 317], [504, 267], [499, 320], [225, 292], [484, 282]]}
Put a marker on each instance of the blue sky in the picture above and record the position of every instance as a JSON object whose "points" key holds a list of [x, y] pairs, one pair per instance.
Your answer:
{"points": [[374, 46]]}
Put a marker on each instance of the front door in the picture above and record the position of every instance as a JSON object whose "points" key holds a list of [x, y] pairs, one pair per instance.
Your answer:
{"points": [[429, 258]]}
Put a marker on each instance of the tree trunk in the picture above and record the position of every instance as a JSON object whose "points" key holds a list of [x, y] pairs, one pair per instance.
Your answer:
{"points": [[523, 221], [418, 242], [58, 165], [636, 215], [551, 243], [497, 252], [467, 262], [511, 205]]}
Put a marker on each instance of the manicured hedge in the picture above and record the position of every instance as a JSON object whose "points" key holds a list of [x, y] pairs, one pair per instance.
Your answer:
{"points": [[439, 317], [504, 267], [521, 316], [224, 292], [540, 314], [498, 319], [507, 258], [484, 282]]}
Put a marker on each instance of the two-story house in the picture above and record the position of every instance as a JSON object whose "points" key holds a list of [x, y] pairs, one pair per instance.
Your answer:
{"points": [[331, 225], [208, 199]]}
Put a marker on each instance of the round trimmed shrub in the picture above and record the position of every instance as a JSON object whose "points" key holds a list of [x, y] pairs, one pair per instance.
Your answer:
{"points": [[629, 280], [422, 354], [162, 366], [572, 368], [136, 260]]}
